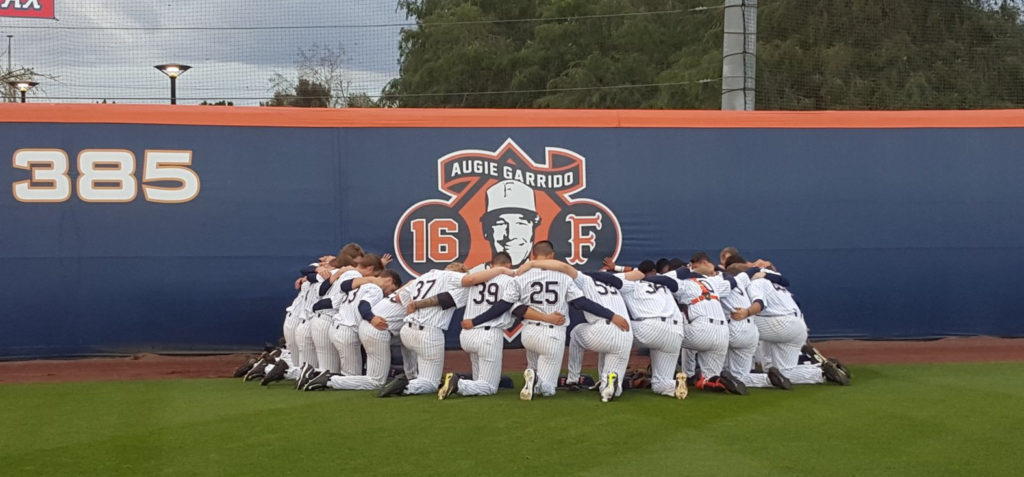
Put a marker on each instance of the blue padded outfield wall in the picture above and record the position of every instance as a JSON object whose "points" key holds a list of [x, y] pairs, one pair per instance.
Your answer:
{"points": [[884, 232]]}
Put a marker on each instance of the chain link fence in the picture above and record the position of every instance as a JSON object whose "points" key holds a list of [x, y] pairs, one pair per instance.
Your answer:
{"points": [[810, 54]]}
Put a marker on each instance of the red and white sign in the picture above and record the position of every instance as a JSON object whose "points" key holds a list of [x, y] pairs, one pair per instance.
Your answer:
{"points": [[27, 8]]}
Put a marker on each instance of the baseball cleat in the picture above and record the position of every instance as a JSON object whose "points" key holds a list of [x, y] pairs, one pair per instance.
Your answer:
{"points": [[841, 367], [451, 385], [319, 382], [276, 373], [681, 390], [732, 385], [531, 379], [778, 380], [834, 374], [245, 367], [608, 393], [394, 388], [258, 371], [813, 352], [305, 374]]}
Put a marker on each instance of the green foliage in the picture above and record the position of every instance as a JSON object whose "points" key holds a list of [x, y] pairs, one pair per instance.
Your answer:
{"points": [[306, 94], [218, 103], [812, 54], [360, 100], [862, 54], [928, 419], [600, 62]]}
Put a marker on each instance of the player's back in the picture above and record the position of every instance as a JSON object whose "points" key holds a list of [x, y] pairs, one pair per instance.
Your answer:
{"points": [[545, 290], [392, 310], [480, 298], [776, 298], [738, 298], [604, 295], [648, 300], [348, 311], [429, 285], [702, 296]]}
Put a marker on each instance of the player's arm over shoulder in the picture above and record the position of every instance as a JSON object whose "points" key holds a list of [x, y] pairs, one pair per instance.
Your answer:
{"points": [[482, 276], [554, 266]]}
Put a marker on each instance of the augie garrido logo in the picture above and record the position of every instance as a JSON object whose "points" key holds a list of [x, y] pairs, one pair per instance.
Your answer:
{"points": [[503, 201]]}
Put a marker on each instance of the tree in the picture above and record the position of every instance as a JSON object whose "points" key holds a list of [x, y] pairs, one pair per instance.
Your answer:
{"points": [[305, 94], [812, 54], [582, 54], [860, 54], [218, 103], [361, 100], [320, 81]]}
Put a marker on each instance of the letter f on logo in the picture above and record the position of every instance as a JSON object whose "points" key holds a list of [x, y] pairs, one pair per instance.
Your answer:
{"points": [[578, 240]]}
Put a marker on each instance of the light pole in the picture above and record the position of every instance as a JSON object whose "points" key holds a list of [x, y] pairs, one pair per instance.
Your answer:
{"points": [[173, 71], [22, 86]]}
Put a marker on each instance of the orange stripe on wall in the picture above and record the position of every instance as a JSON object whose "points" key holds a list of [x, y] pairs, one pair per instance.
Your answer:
{"points": [[498, 118]]}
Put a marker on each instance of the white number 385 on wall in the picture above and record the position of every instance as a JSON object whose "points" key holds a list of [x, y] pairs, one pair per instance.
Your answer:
{"points": [[105, 175]]}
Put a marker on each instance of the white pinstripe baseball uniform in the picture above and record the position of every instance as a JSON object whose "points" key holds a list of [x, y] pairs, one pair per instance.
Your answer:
{"points": [[598, 334], [743, 337], [783, 331], [344, 331], [658, 325], [304, 330], [378, 347], [293, 314], [423, 331], [707, 329], [326, 354], [548, 292], [485, 342]]}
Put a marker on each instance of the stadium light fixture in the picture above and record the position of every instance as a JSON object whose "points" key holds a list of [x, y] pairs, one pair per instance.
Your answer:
{"points": [[22, 86], [173, 71]]}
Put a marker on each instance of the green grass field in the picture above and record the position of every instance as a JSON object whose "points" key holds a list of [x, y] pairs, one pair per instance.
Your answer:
{"points": [[932, 420]]}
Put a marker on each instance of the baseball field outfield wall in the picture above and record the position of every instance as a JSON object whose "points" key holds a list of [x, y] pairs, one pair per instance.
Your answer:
{"points": [[163, 228]]}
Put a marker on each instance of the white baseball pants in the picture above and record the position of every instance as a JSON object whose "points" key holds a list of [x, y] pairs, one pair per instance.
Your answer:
{"points": [[485, 346], [304, 344], [428, 344], [743, 339], [665, 339], [548, 343], [378, 360], [782, 337], [609, 341], [710, 338], [326, 355], [345, 341]]}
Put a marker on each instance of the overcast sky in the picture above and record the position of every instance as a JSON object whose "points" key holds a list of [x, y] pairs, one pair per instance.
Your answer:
{"points": [[107, 49]]}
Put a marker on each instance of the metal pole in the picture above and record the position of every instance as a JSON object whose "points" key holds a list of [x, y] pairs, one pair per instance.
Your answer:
{"points": [[174, 91], [739, 44], [22, 96], [10, 89]]}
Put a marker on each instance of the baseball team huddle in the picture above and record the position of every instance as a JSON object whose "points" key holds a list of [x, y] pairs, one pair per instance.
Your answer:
{"points": [[721, 328]]}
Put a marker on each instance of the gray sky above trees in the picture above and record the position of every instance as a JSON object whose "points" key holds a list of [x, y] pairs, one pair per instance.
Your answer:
{"points": [[106, 50]]}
